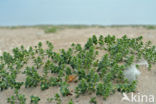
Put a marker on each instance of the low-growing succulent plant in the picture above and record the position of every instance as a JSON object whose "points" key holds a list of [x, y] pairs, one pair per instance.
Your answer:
{"points": [[93, 100], [34, 99], [78, 64], [17, 98], [32, 77], [71, 102], [64, 89]]}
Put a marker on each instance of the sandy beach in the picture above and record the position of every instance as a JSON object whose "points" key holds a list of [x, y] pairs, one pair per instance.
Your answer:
{"points": [[30, 36]]}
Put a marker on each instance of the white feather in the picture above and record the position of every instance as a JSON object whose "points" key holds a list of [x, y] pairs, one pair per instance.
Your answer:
{"points": [[131, 73]]}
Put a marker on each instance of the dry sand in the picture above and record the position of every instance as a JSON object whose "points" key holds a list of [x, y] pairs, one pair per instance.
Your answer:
{"points": [[10, 38]]}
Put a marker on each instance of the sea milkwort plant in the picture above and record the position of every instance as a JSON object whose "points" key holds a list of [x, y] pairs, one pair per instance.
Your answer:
{"points": [[82, 67]]}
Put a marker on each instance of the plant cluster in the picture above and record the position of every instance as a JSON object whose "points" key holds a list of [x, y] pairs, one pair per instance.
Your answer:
{"points": [[17, 98], [34, 99], [91, 73], [56, 99]]}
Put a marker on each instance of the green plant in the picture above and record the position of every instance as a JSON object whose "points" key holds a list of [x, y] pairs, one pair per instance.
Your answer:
{"points": [[8, 80], [89, 43], [101, 40], [94, 38], [34, 99], [44, 84], [127, 87], [68, 71], [78, 47], [32, 77], [49, 51], [57, 98], [71, 102], [12, 100], [93, 100], [38, 62], [55, 81], [3, 80], [104, 89], [82, 87], [64, 89], [17, 98]]}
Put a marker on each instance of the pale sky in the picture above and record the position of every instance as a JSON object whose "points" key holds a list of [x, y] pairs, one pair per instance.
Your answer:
{"points": [[102, 12]]}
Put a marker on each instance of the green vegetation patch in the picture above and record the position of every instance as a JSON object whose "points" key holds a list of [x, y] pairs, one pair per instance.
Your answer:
{"points": [[50, 30], [78, 64]]}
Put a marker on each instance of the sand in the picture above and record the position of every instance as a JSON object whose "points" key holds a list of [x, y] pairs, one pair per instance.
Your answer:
{"points": [[11, 38]]}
